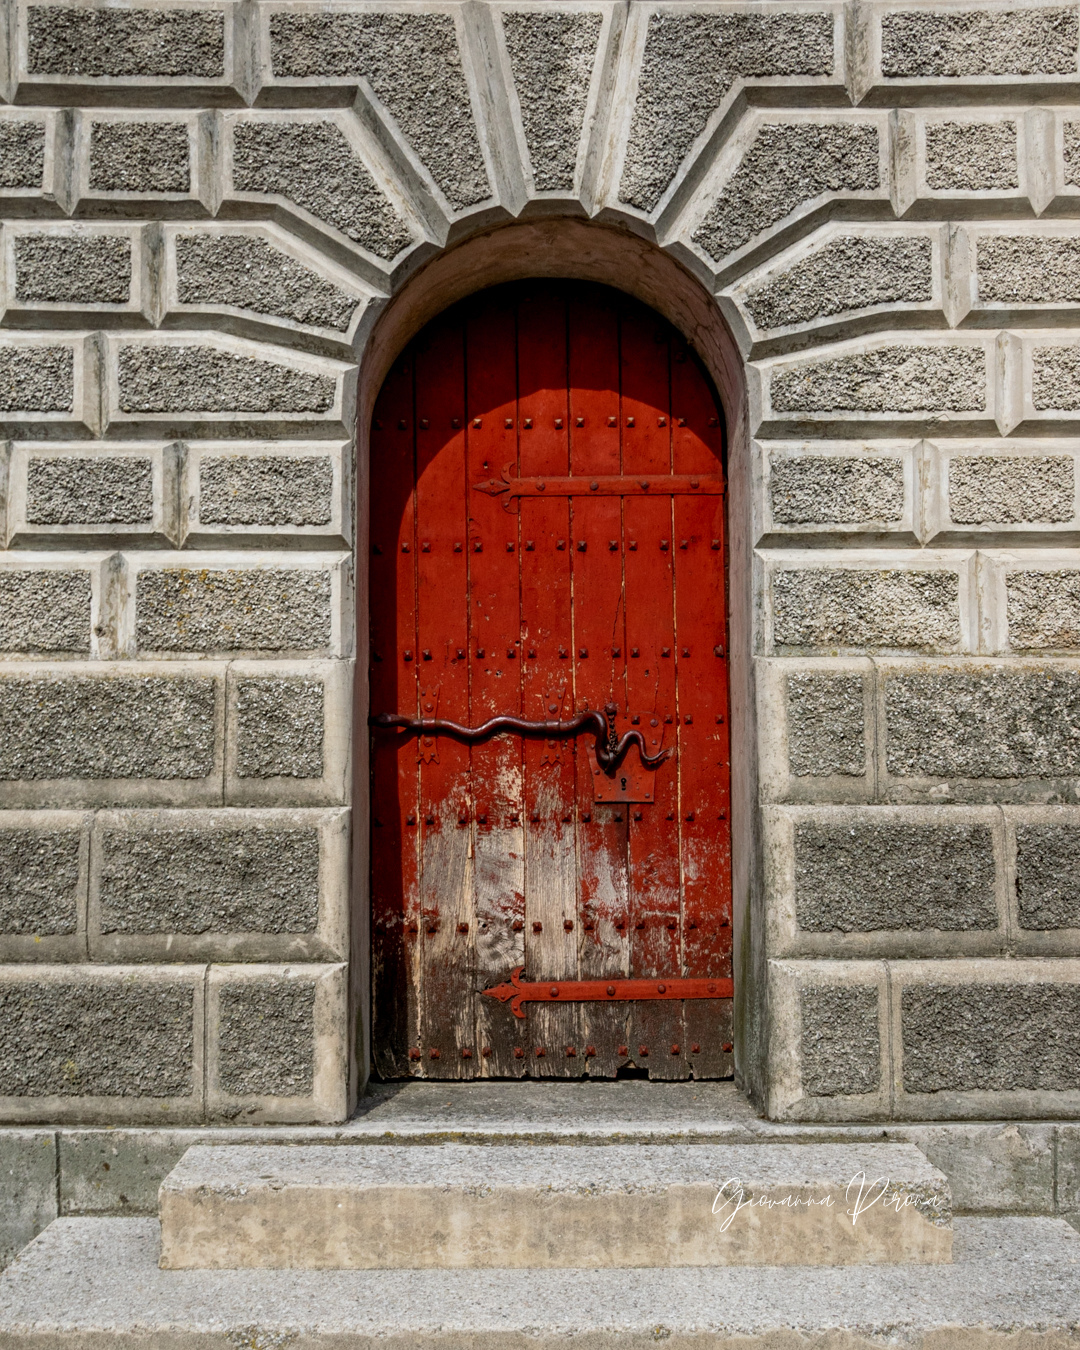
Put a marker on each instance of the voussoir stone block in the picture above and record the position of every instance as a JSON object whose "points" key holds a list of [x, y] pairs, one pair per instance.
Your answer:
{"points": [[1011, 489], [841, 1042], [1048, 874], [826, 724], [959, 43], [816, 489], [42, 875]]}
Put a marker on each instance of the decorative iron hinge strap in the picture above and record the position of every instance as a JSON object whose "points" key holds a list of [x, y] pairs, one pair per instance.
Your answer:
{"points": [[603, 485], [519, 991]]}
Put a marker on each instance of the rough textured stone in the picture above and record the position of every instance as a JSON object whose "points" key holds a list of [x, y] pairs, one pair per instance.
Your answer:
{"points": [[836, 489], [254, 879], [826, 725], [280, 732], [845, 607], [249, 273], [983, 724], [202, 379], [991, 1037], [44, 611], [22, 153], [867, 876], [83, 490], [1071, 146], [37, 379], [96, 1038], [147, 726], [266, 1040], [195, 609], [955, 43], [65, 40], [265, 490], [852, 272], [995, 490], [39, 881], [1028, 270], [1048, 876], [1043, 610], [1055, 378], [551, 57], [413, 66], [690, 63], [56, 269], [140, 157], [841, 1045], [786, 165], [971, 156], [28, 1201], [886, 379]]}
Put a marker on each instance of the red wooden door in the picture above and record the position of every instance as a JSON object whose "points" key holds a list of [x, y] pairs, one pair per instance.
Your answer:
{"points": [[548, 539]]}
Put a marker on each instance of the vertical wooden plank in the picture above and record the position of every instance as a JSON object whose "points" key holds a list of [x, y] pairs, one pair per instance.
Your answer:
{"points": [[704, 756], [395, 861], [448, 1020], [550, 861], [600, 674], [495, 661]]}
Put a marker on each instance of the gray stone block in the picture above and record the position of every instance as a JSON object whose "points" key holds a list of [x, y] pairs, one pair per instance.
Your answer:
{"points": [[315, 166], [44, 610], [96, 1036], [79, 490], [1028, 269], [841, 1043], [992, 1169], [1043, 609], [1055, 378], [786, 165], [865, 876], [270, 490], [37, 379], [28, 1195], [280, 728], [690, 63], [971, 156], [901, 378], [852, 272], [114, 43], [96, 727], [856, 607], [994, 724], [1011, 490], [140, 156], [39, 881], [836, 489], [991, 1037], [266, 1038], [59, 269], [412, 63], [156, 379], [826, 725], [956, 43], [198, 609], [551, 59], [251, 879], [118, 1171], [1071, 153], [1048, 876], [22, 153]]}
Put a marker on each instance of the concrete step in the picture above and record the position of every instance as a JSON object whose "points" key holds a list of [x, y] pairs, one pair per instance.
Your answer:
{"points": [[94, 1284], [387, 1207]]}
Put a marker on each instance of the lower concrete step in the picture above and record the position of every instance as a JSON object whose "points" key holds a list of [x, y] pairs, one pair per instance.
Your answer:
{"points": [[386, 1207], [94, 1284]]}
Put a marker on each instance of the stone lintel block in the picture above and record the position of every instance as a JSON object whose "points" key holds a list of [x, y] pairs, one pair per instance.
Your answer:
{"points": [[238, 493], [144, 163], [75, 276], [277, 1048], [839, 601], [28, 1200], [818, 489], [93, 493], [902, 384], [43, 908], [842, 280], [860, 882], [63, 606], [50, 385], [829, 1045], [816, 729], [207, 384], [1019, 489], [1041, 383], [185, 52], [101, 1044], [525, 1206], [1042, 855], [35, 149], [111, 733], [289, 733], [286, 603], [1030, 601], [986, 1039], [228, 885]]}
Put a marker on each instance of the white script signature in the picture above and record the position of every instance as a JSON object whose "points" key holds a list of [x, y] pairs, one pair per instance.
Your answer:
{"points": [[731, 1199]]}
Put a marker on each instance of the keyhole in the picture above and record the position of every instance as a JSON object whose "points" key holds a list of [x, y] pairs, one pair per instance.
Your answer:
{"points": [[623, 784]]}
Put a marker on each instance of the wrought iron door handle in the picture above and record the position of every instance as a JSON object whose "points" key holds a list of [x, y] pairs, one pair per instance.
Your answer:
{"points": [[610, 749]]}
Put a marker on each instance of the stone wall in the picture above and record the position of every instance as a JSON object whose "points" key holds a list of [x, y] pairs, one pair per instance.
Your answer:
{"points": [[205, 206]]}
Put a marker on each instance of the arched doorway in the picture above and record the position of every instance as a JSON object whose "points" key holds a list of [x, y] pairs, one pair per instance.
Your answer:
{"points": [[547, 532]]}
